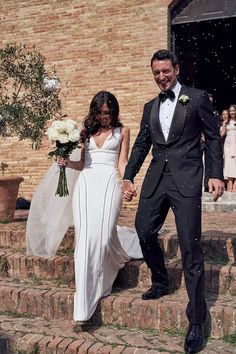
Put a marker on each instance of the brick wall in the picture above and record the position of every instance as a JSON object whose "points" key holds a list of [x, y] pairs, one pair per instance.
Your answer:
{"points": [[95, 45]]}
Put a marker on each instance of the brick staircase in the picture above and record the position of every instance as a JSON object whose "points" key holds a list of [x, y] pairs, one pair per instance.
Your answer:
{"points": [[36, 297]]}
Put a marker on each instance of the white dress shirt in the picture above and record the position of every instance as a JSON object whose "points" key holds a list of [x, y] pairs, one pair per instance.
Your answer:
{"points": [[166, 111]]}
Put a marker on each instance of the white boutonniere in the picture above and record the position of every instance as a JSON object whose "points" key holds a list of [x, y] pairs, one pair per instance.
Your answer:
{"points": [[183, 99]]}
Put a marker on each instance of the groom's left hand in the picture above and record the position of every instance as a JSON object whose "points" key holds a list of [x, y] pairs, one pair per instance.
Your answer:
{"points": [[216, 187]]}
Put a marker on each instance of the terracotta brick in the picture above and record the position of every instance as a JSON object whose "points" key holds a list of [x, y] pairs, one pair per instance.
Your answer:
{"points": [[228, 320], [233, 280], [28, 342], [95, 348], [132, 350], [144, 279], [117, 350], [11, 262], [106, 349], [53, 345], [62, 305], [84, 347], [73, 347], [107, 309], [145, 314], [42, 344], [61, 348], [164, 321], [44, 269], [25, 301], [121, 310], [38, 303], [47, 304], [231, 249], [7, 299], [217, 321], [16, 295], [225, 279]]}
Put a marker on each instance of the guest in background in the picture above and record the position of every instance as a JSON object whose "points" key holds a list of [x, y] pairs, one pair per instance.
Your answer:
{"points": [[230, 150], [224, 122]]}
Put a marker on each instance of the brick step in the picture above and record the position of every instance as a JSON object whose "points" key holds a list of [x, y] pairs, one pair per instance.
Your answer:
{"points": [[37, 335], [60, 269], [13, 236], [216, 243], [121, 308]]}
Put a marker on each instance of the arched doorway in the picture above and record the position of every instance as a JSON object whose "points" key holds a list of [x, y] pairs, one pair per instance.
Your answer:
{"points": [[203, 37]]}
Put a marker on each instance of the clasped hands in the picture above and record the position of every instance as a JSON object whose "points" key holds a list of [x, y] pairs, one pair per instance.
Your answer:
{"points": [[129, 191]]}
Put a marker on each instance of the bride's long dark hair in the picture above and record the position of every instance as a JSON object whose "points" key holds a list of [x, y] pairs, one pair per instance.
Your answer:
{"points": [[91, 123]]}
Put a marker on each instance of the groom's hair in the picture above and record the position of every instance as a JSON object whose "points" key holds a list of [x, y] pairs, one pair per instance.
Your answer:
{"points": [[163, 54]]}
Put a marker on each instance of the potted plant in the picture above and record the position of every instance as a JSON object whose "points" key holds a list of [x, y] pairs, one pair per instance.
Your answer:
{"points": [[29, 98]]}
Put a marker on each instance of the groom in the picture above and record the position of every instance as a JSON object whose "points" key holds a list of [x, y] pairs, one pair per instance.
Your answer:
{"points": [[172, 124]]}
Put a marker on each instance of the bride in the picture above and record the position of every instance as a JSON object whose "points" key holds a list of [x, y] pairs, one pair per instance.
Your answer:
{"points": [[94, 177]]}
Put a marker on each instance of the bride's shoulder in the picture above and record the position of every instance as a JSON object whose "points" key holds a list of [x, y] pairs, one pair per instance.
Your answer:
{"points": [[124, 129], [125, 132]]}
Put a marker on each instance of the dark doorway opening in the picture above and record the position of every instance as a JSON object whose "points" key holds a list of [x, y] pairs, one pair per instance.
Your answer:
{"points": [[206, 53]]}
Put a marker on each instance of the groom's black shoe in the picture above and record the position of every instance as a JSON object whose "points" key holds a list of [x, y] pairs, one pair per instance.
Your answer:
{"points": [[194, 339], [155, 292]]}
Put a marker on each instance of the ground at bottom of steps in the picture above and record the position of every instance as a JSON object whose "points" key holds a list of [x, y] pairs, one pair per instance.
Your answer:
{"points": [[39, 336]]}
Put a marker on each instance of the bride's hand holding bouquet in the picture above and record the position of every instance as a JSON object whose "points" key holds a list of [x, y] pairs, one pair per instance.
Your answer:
{"points": [[65, 136]]}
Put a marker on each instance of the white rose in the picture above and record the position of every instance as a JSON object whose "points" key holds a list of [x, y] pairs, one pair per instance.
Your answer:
{"points": [[52, 134], [74, 135], [63, 138], [59, 125], [70, 124]]}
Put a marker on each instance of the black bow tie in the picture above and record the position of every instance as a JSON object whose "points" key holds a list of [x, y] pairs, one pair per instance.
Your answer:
{"points": [[166, 94]]}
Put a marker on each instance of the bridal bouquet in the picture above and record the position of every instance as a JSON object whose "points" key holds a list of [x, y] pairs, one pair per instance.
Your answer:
{"points": [[65, 135]]}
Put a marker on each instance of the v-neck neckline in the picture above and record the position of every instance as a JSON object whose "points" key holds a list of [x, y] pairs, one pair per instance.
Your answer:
{"points": [[99, 148]]}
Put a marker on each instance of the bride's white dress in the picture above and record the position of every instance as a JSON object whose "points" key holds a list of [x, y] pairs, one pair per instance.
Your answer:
{"points": [[101, 247], [99, 251]]}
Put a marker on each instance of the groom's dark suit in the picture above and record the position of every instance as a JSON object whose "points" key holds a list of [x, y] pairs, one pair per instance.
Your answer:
{"points": [[174, 179]]}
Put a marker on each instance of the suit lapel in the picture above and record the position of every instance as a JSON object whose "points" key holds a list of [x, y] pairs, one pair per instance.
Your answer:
{"points": [[179, 117], [155, 123]]}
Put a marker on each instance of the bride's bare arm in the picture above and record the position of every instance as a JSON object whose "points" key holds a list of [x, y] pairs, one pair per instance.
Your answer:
{"points": [[75, 165], [124, 150]]}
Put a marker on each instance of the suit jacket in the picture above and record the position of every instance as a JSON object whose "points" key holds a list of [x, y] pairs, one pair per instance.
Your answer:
{"points": [[182, 149]]}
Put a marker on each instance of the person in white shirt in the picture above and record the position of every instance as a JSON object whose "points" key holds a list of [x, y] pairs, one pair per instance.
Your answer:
{"points": [[172, 124]]}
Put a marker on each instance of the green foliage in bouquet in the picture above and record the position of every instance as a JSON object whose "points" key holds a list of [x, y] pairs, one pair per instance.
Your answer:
{"points": [[29, 95]]}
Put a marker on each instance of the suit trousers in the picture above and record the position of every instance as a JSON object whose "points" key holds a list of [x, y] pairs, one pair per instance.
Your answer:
{"points": [[150, 217]]}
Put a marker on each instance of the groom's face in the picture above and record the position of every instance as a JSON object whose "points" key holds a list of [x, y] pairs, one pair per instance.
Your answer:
{"points": [[165, 74]]}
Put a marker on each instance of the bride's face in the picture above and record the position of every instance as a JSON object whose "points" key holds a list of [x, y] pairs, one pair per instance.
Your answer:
{"points": [[105, 116]]}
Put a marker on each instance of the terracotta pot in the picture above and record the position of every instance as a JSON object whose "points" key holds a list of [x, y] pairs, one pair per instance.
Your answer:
{"points": [[9, 187]]}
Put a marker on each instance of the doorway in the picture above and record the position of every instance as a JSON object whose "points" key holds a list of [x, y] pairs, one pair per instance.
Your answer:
{"points": [[206, 53]]}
